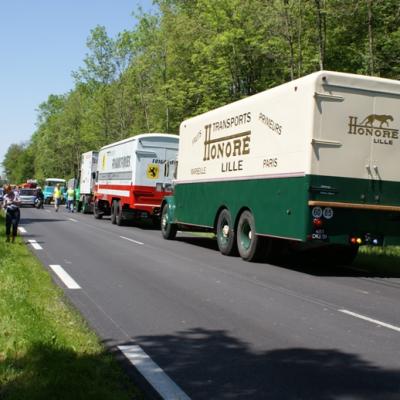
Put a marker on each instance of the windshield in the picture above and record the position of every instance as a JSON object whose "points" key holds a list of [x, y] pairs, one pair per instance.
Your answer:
{"points": [[52, 183]]}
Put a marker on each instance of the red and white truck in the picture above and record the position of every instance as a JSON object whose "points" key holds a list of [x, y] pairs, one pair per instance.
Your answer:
{"points": [[134, 175]]}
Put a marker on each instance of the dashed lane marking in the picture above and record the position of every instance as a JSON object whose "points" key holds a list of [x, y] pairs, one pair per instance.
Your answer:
{"points": [[73, 220], [131, 240], [22, 230], [35, 244], [157, 378], [374, 321], [68, 281]]}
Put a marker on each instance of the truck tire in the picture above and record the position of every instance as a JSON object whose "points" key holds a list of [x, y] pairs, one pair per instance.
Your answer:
{"points": [[118, 214], [96, 213], [226, 238], [168, 230], [114, 210], [249, 244]]}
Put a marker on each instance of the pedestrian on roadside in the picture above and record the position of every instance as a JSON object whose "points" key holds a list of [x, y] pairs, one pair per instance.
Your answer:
{"points": [[57, 197], [70, 199], [11, 203]]}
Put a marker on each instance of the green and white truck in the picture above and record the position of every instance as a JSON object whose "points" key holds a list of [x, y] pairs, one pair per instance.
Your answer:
{"points": [[313, 163]]}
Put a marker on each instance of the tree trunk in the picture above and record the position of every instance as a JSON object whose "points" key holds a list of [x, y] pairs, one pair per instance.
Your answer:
{"points": [[321, 32], [371, 56], [289, 36]]}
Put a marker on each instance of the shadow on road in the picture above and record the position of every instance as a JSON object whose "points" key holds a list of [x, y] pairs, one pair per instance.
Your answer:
{"points": [[28, 221], [214, 365], [207, 243], [295, 263]]}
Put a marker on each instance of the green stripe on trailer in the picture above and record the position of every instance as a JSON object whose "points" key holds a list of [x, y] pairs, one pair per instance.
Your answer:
{"points": [[280, 206]]}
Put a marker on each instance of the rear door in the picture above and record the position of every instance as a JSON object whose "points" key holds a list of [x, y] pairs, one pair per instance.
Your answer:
{"points": [[358, 139]]}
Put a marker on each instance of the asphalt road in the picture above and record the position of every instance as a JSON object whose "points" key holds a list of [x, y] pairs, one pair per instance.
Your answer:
{"points": [[221, 328]]}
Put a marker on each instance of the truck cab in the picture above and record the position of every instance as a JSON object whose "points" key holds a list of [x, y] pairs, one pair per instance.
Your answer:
{"points": [[50, 184]]}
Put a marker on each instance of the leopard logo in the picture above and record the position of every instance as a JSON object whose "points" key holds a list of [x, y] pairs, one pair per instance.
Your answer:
{"points": [[383, 119]]}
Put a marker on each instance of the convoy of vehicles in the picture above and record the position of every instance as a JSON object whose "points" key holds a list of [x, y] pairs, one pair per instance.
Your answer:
{"points": [[134, 175], [311, 162], [308, 165]]}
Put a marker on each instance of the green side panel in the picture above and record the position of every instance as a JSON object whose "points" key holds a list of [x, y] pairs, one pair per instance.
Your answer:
{"points": [[349, 190], [279, 206]]}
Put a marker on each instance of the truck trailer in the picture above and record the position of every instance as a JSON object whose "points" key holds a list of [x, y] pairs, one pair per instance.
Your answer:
{"points": [[313, 163], [134, 175]]}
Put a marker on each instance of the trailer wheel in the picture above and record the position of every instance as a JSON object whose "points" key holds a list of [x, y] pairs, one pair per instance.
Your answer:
{"points": [[248, 243], [114, 212], [96, 213], [168, 230], [118, 214], [226, 237]]}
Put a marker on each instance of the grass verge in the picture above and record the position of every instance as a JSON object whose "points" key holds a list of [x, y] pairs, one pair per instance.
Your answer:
{"points": [[379, 260], [46, 349]]}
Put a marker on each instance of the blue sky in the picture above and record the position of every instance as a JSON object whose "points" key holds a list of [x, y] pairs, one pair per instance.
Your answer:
{"points": [[41, 43]]}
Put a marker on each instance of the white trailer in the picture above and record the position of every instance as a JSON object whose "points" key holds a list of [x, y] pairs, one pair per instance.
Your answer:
{"points": [[312, 161], [134, 175]]}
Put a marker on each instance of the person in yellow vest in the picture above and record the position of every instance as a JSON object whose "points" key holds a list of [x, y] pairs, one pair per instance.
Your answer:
{"points": [[57, 197], [70, 199]]}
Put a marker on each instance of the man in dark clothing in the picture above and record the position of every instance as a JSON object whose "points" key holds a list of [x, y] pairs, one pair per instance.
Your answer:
{"points": [[11, 203]]}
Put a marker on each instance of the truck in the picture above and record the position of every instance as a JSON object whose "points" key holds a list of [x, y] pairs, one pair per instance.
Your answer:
{"points": [[310, 166], [49, 185], [133, 177], [87, 175]]}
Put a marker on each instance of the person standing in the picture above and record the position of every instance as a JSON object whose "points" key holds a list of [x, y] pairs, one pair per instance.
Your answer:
{"points": [[11, 203], [39, 198], [70, 199], [57, 197]]}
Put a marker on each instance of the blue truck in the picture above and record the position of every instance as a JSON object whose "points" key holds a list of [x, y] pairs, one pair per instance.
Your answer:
{"points": [[50, 184]]}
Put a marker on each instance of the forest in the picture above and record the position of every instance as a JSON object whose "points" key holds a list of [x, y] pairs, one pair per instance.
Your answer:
{"points": [[189, 56]]}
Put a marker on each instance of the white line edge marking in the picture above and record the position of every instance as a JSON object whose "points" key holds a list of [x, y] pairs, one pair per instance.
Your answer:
{"points": [[35, 244], [73, 220], [131, 240], [67, 280], [160, 381], [21, 229], [374, 321]]}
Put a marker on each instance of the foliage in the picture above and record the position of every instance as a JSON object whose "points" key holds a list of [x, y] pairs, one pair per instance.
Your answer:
{"points": [[46, 349], [191, 56]]}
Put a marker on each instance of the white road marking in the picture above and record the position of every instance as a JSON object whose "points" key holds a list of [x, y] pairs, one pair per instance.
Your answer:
{"points": [[65, 277], [73, 220], [160, 381], [131, 240], [35, 244], [374, 321], [48, 211], [22, 229]]}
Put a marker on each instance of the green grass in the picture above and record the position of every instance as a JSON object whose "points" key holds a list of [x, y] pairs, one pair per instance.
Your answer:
{"points": [[46, 349], [379, 260]]}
